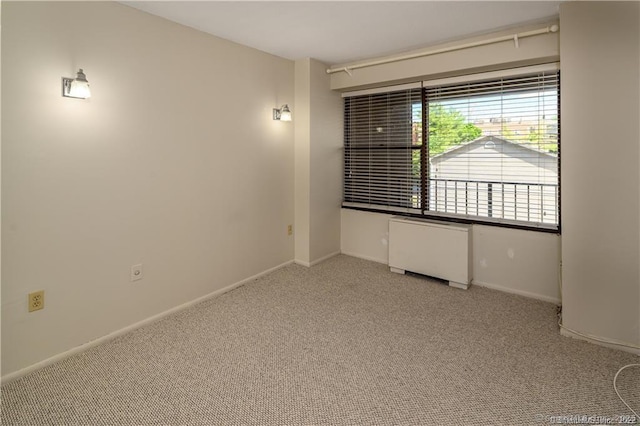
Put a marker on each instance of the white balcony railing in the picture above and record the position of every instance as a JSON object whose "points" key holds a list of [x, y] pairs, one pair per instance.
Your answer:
{"points": [[530, 202]]}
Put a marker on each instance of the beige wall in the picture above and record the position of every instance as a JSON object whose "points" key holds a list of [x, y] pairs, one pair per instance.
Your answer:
{"points": [[318, 168], [0, 203], [515, 261], [175, 162], [326, 164], [302, 123], [600, 51], [365, 235]]}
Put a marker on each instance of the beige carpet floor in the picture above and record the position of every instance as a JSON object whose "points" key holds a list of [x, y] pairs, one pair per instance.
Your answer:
{"points": [[345, 342]]}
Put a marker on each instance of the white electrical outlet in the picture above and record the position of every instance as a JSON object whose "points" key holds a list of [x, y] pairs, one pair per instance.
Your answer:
{"points": [[136, 272]]}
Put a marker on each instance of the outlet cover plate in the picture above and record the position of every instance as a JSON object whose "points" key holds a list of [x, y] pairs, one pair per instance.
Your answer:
{"points": [[36, 301]]}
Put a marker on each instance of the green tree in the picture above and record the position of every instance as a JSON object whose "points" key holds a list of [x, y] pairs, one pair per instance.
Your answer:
{"points": [[448, 128], [547, 142], [533, 136]]}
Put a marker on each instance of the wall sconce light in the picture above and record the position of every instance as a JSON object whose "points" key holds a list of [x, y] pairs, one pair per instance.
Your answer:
{"points": [[282, 114], [76, 87]]}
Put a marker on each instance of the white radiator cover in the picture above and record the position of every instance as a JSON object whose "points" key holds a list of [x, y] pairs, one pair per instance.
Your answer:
{"points": [[437, 249]]}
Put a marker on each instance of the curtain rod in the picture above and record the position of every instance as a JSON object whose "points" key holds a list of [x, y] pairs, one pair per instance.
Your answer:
{"points": [[514, 37]]}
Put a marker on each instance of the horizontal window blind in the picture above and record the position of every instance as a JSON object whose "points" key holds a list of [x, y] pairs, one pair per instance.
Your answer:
{"points": [[494, 149], [489, 151], [383, 135]]}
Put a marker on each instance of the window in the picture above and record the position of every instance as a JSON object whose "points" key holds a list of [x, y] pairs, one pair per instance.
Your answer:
{"points": [[383, 138], [481, 151]]}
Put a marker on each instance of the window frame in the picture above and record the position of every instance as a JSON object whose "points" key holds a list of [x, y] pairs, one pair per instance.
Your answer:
{"points": [[422, 210]]}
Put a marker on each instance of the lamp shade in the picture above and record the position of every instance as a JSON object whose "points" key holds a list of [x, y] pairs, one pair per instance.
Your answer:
{"points": [[76, 87], [285, 113], [80, 89]]}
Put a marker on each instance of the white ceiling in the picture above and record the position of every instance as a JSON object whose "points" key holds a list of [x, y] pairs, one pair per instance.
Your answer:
{"points": [[337, 32]]}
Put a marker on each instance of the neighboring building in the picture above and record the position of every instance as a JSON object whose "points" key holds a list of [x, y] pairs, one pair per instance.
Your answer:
{"points": [[520, 129], [494, 177]]}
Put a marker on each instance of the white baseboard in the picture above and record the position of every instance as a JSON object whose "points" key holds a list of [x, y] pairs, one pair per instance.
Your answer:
{"points": [[529, 294], [78, 349], [600, 341], [360, 256], [315, 262], [545, 298]]}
